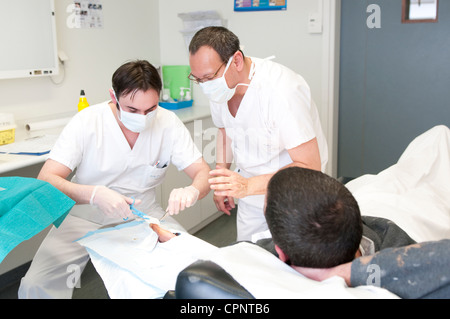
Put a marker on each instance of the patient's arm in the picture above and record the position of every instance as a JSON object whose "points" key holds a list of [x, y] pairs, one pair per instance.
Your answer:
{"points": [[163, 234], [415, 271]]}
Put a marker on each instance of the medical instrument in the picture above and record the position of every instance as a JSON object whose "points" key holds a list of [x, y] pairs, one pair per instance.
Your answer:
{"points": [[163, 216], [137, 212]]}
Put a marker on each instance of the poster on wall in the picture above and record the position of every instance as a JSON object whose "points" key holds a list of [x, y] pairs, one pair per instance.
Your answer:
{"points": [[88, 14], [259, 5]]}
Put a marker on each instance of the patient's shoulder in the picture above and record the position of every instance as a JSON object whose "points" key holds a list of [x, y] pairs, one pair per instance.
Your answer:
{"points": [[385, 233]]}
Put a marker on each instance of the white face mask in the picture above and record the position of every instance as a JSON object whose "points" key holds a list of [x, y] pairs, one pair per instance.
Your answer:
{"points": [[217, 90], [134, 122]]}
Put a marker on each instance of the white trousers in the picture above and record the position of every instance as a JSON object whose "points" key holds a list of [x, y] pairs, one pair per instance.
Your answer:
{"points": [[250, 218], [59, 262], [57, 266]]}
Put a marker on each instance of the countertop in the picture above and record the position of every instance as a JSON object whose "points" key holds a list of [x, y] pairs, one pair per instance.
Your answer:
{"points": [[10, 162]]}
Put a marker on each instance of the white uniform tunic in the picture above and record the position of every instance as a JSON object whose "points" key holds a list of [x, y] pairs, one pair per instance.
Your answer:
{"points": [[276, 114], [94, 144]]}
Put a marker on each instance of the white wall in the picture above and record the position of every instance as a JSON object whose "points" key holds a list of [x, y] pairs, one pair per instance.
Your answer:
{"points": [[265, 33], [130, 31], [280, 33]]}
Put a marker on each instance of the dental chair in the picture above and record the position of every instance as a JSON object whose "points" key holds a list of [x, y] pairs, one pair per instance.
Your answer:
{"points": [[206, 280]]}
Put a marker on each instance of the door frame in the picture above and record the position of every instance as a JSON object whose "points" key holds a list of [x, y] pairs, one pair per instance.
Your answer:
{"points": [[331, 13]]}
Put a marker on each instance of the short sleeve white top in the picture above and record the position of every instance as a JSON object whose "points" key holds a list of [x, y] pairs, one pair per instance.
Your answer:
{"points": [[93, 143], [276, 114]]}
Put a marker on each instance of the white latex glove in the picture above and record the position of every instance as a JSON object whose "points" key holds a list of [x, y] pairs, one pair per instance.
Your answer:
{"points": [[111, 203], [180, 198]]}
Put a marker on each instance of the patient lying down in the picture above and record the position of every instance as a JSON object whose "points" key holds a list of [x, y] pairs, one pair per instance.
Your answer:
{"points": [[328, 237], [318, 230]]}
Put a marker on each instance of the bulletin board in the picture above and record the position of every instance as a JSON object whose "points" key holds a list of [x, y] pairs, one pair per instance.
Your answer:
{"points": [[259, 5]]}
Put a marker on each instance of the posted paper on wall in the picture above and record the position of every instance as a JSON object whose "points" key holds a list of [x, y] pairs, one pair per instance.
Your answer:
{"points": [[86, 14]]}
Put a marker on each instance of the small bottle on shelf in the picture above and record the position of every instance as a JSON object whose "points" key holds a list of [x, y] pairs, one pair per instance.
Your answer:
{"points": [[82, 103]]}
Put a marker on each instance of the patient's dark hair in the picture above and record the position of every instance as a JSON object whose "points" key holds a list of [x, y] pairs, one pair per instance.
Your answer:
{"points": [[313, 218], [222, 40], [135, 76]]}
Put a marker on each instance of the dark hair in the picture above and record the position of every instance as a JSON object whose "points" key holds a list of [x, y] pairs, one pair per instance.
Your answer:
{"points": [[135, 76], [313, 218], [222, 40]]}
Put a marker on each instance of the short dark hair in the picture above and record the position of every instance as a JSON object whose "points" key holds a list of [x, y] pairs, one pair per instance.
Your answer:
{"points": [[138, 75], [222, 40], [313, 218]]}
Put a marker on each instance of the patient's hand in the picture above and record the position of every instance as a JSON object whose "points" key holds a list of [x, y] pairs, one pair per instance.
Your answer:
{"points": [[163, 234]]}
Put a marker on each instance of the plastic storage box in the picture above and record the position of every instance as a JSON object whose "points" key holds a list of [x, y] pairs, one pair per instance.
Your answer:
{"points": [[176, 81], [7, 128]]}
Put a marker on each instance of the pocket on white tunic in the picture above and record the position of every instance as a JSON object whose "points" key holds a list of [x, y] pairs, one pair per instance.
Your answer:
{"points": [[153, 176], [139, 180]]}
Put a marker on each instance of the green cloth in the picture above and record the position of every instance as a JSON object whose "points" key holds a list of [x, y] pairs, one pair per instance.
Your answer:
{"points": [[28, 206]]}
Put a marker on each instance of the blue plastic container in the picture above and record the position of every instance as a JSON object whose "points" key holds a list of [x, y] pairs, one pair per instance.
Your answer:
{"points": [[176, 105]]}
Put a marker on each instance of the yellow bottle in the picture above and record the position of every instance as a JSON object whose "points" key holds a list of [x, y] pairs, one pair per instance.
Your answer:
{"points": [[83, 103]]}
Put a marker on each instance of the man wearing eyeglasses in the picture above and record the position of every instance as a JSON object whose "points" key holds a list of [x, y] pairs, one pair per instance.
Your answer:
{"points": [[267, 120]]}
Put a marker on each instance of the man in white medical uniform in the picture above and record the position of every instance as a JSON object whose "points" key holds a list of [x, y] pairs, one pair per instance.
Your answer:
{"points": [[266, 117], [121, 150]]}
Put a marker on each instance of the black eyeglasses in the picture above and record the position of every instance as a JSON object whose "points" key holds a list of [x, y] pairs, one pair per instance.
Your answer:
{"points": [[197, 80]]}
